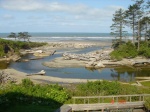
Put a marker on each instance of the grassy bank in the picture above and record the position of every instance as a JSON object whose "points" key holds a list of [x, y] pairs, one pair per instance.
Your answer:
{"points": [[9, 47]]}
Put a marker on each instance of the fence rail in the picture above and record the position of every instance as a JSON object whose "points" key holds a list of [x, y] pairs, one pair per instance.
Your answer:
{"points": [[110, 99]]}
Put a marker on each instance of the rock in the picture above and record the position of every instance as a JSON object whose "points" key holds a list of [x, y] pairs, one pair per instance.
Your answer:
{"points": [[99, 65], [90, 64]]}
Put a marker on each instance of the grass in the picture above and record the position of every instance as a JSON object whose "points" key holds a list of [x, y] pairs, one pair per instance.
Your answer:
{"points": [[146, 83]]}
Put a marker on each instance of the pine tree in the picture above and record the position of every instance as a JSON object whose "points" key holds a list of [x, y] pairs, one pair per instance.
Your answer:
{"points": [[118, 25], [133, 14]]}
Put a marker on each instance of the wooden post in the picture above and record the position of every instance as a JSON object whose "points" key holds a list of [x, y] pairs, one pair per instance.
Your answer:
{"points": [[74, 100], [99, 100], [130, 98], [139, 98]]}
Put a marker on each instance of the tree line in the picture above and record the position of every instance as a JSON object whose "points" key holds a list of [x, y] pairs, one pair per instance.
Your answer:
{"points": [[137, 17], [21, 35]]}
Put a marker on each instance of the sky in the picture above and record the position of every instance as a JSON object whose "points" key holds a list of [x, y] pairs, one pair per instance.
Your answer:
{"points": [[59, 15]]}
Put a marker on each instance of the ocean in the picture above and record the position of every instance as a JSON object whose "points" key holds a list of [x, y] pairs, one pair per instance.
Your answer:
{"points": [[47, 37]]}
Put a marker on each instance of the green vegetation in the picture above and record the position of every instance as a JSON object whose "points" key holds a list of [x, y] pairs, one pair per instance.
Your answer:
{"points": [[8, 47], [136, 18], [146, 83], [104, 88], [129, 50], [147, 103], [30, 97], [45, 97], [21, 35]]}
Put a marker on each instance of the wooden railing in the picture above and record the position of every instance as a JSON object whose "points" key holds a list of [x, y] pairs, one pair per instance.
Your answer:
{"points": [[110, 99]]}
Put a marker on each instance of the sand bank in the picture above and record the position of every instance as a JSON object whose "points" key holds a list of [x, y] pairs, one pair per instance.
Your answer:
{"points": [[43, 79]]}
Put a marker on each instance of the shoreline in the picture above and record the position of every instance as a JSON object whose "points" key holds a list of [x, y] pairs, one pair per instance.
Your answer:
{"points": [[18, 75], [60, 62], [43, 78]]}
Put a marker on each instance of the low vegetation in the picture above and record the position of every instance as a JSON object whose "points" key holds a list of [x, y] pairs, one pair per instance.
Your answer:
{"points": [[129, 50], [29, 97], [45, 97], [8, 47]]}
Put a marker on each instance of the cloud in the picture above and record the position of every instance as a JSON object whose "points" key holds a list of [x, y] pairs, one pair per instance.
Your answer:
{"points": [[51, 14], [7, 17], [79, 10]]}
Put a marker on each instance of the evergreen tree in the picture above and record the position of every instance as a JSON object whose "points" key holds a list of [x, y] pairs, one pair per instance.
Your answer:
{"points": [[24, 35], [133, 14], [118, 25], [12, 35]]}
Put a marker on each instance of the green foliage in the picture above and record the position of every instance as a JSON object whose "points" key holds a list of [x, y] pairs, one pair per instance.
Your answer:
{"points": [[147, 103], [127, 50], [146, 83], [34, 94], [27, 83], [15, 46], [118, 24], [98, 88], [144, 49]]}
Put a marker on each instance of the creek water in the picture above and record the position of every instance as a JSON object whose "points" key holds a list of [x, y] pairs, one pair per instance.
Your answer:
{"points": [[121, 73]]}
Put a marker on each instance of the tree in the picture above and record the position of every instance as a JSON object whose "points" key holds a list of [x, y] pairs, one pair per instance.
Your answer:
{"points": [[12, 35], [24, 35], [133, 14], [21, 35], [145, 27], [27, 36], [118, 25]]}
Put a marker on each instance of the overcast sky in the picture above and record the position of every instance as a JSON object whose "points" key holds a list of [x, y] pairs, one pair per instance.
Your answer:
{"points": [[58, 15]]}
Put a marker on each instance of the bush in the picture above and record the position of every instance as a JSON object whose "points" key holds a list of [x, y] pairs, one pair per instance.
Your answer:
{"points": [[127, 50], [144, 49], [15, 46], [27, 83], [98, 88]]}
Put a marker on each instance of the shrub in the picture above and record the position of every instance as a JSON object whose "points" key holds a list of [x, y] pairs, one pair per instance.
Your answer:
{"points": [[127, 50], [144, 49], [15, 46], [27, 83]]}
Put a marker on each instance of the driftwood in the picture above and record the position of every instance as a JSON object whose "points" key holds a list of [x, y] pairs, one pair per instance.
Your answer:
{"points": [[140, 63], [36, 58], [42, 72]]}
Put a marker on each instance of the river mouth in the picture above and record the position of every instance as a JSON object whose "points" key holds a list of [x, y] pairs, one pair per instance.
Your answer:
{"points": [[119, 73]]}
